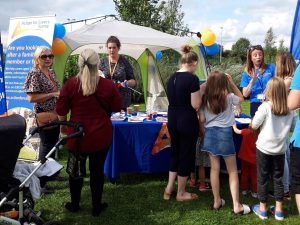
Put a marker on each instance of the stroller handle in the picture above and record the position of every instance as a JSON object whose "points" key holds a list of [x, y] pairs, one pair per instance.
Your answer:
{"points": [[77, 126]]}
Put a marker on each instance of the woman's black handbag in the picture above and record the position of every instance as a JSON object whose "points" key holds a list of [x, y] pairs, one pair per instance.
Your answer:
{"points": [[76, 165]]}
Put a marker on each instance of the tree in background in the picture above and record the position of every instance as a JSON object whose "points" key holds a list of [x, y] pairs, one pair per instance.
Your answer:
{"points": [[270, 48], [281, 48], [160, 15], [239, 50], [172, 18]]}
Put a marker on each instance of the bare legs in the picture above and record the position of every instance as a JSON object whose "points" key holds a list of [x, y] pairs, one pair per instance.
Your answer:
{"points": [[297, 197], [182, 195], [214, 179], [230, 162], [171, 181]]}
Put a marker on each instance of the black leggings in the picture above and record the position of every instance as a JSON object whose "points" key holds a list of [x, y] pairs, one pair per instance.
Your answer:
{"points": [[96, 167], [48, 139], [183, 153]]}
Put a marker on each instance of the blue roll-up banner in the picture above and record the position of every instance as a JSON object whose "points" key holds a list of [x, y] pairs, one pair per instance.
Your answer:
{"points": [[24, 36], [3, 109]]}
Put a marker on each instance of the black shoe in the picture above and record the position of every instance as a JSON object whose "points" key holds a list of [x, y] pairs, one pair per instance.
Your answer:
{"points": [[71, 207], [96, 211], [46, 190]]}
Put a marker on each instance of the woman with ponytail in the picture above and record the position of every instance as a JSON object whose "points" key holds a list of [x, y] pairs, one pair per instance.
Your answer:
{"points": [[184, 97], [90, 99]]}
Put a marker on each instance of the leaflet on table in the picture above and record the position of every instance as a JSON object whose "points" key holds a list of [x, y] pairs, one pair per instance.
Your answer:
{"points": [[118, 117], [136, 119], [161, 119]]}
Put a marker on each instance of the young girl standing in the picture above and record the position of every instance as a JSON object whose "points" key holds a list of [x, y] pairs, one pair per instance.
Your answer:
{"points": [[275, 120], [217, 113], [285, 69]]}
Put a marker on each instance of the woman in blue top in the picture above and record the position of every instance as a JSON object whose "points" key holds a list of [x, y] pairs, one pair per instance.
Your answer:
{"points": [[294, 103], [255, 77]]}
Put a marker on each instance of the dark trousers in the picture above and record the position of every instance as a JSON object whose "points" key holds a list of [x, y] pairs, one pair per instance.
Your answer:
{"points": [[183, 153], [48, 139], [268, 165], [295, 170], [96, 167]]}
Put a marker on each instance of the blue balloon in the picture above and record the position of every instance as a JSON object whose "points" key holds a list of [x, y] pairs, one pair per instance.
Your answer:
{"points": [[59, 31], [212, 49], [159, 55]]}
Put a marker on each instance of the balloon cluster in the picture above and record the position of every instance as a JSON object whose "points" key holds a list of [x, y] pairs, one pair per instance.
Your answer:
{"points": [[58, 45], [208, 39]]}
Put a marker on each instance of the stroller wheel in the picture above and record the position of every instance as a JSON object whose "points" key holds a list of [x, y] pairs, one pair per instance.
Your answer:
{"points": [[52, 223]]}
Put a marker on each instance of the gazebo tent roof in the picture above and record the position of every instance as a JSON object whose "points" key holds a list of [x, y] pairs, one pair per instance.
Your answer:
{"points": [[134, 39]]}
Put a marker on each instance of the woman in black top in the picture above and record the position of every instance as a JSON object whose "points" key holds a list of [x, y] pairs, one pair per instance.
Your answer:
{"points": [[116, 68], [184, 97]]}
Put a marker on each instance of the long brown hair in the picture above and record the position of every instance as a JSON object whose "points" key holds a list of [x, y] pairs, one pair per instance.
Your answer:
{"points": [[285, 65], [276, 93], [249, 64], [215, 97]]}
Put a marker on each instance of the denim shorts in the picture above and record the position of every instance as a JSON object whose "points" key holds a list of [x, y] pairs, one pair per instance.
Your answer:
{"points": [[218, 141]]}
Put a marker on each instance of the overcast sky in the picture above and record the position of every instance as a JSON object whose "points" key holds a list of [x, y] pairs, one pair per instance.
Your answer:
{"points": [[230, 19]]}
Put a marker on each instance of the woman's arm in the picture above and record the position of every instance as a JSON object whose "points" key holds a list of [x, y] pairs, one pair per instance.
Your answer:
{"points": [[196, 99], [294, 99], [41, 97]]}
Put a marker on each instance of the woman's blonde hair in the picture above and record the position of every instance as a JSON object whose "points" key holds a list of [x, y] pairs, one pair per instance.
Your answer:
{"points": [[214, 97], [276, 93], [249, 63], [285, 65], [189, 56], [88, 62], [38, 53]]}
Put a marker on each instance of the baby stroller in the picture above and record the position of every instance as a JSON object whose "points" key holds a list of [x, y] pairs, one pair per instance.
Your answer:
{"points": [[12, 133]]}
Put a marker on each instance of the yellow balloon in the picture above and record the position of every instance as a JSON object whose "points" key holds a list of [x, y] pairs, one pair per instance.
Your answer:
{"points": [[208, 38]]}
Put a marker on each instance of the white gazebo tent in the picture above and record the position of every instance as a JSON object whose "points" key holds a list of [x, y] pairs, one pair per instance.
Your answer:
{"points": [[139, 42]]}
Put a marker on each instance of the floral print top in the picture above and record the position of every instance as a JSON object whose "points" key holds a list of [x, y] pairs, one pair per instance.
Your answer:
{"points": [[38, 82]]}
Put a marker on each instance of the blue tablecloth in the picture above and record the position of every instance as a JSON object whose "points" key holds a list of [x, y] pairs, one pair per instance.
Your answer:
{"points": [[131, 149]]}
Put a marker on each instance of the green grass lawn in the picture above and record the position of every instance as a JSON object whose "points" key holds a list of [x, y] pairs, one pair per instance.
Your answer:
{"points": [[136, 199]]}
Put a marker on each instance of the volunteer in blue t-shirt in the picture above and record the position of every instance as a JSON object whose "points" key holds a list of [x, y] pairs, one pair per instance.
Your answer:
{"points": [[255, 77], [294, 103]]}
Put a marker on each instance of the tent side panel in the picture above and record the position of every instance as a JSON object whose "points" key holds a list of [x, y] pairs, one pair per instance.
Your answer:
{"points": [[143, 63]]}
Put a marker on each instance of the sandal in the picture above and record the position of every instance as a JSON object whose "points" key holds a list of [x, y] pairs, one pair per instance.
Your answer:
{"points": [[246, 210], [193, 197], [221, 205]]}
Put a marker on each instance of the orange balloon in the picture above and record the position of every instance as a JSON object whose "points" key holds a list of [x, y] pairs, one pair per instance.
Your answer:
{"points": [[208, 38], [58, 46]]}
